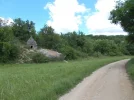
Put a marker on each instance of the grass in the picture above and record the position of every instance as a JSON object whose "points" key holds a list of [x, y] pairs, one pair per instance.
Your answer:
{"points": [[46, 81], [130, 68]]}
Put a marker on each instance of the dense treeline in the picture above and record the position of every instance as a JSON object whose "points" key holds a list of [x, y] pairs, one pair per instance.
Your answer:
{"points": [[72, 44], [76, 44]]}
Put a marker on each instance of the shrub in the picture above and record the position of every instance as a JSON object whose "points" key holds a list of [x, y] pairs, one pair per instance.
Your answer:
{"points": [[107, 47], [71, 53], [39, 58], [8, 52], [130, 68], [97, 54], [14, 52], [130, 48]]}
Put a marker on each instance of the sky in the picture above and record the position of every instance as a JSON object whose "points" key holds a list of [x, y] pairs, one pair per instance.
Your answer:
{"points": [[88, 16]]}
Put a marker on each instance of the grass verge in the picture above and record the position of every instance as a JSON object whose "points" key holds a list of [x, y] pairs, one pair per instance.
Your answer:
{"points": [[46, 81], [130, 68]]}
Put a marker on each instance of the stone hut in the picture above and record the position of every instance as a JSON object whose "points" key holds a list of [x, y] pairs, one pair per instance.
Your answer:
{"points": [[31, 43]]}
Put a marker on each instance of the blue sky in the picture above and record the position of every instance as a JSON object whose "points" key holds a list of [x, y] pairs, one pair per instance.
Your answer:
{"points": [[26, 9], [90, 15]]}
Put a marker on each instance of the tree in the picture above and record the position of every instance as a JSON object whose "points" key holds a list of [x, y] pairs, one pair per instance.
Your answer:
{"points": [[48, 38], [75, 40], [123, 14], [107, 47], [130, 48], [23, 29], [6, 34], [47, 30], [9, 51]]}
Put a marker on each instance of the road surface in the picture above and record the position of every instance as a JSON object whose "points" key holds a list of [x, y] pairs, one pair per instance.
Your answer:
{"points": [[108, 83]]}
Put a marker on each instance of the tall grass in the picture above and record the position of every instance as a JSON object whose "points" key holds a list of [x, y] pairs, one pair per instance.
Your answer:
{"points": [[130, 68], [46, 81]]}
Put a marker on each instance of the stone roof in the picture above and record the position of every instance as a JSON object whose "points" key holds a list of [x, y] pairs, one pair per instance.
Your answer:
{"points": [[31, 41]]}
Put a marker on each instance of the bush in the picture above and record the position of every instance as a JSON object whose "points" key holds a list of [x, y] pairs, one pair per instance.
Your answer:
{"points": [[97, 54], [15, 49], [39, 58], [9, 52], [130, 68], [130, 48], [107, 47], [71, 53], [88, 47], [14, 52]]}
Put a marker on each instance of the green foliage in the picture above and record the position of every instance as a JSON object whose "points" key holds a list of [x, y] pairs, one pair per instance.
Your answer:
{"points": [[75, 40], [73, 45], [95, 45], [9, 51], [39, 58], [14, 53], [123, 15], [6, 34], [48, 38], [130, 48], [97, 54], [23, 29], [5, 51], [130, 68], [107, 47], [70, 53]]}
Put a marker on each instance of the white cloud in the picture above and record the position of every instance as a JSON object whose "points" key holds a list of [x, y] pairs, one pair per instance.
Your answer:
{"points": [[66, 15], [6, 22], [98, 23]]}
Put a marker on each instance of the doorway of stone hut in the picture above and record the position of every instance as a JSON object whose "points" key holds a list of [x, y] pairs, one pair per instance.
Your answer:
{"points": [[31, 47]]}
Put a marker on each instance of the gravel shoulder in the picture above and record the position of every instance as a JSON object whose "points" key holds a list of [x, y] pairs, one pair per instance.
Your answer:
{"points": [[107, 83]]}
